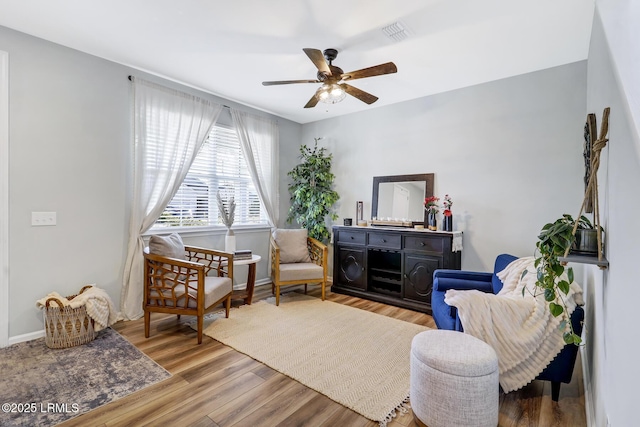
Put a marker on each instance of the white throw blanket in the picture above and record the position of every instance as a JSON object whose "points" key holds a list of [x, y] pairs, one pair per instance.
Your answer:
{"points": [[98, 304], [521, 330]]}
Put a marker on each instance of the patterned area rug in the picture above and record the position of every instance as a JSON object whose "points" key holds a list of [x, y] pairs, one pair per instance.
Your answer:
{"points": [[356, 358], [43, 387]]}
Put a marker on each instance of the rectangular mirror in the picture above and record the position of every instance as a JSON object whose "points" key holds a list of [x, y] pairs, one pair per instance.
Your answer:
{"points": [[399, 199]]}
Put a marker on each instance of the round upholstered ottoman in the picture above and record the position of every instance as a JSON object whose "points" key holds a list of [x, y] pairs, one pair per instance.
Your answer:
{"points": [[454, 380]]}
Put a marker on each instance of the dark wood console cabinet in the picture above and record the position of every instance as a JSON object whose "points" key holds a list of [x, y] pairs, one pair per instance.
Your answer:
{"points": [[390, 265]]}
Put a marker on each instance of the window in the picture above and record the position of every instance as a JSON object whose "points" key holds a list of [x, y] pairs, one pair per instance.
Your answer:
{"points": [[219, 166]]}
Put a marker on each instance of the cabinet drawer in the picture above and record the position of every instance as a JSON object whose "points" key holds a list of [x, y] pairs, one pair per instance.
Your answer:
{"points": [[353, 237], [381, 240], [424, 243]]}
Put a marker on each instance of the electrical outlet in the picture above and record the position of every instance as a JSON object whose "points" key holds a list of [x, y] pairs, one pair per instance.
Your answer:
{"points": [[43, 218]]}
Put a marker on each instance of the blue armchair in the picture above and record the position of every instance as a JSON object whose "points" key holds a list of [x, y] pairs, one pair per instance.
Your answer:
{"points": [[558, 371]]}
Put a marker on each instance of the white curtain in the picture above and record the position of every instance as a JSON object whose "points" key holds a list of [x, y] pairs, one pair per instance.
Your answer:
{"points": [[169, 129], [259, 141]]}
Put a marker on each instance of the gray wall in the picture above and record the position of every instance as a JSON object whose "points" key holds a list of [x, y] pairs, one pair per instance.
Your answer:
{"points": [[610, 354], [509, 153], [70, 152]]}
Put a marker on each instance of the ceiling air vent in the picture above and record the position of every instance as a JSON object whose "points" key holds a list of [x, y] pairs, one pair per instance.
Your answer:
{"points": [[395, 32]]}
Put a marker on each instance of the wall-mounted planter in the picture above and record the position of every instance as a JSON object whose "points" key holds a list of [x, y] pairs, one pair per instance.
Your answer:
{"points": [[586, 242]]}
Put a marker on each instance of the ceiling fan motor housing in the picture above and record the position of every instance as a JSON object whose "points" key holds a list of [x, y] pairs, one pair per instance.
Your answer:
{"points": [[330, 54]]}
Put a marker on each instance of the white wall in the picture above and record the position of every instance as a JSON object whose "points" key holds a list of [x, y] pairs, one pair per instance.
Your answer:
{"points": [[620, 22], [509, 153], [4, 198], [611, 350], [70, 152]]}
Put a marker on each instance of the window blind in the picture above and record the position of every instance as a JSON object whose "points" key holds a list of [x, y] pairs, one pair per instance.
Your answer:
{"points": [[219, 166]]}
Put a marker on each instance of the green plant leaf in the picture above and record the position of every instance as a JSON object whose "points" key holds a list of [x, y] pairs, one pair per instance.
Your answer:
{"points": [[563, 325], [556, 310], [571, 338], [570, 274], [564, 286], [549, 294], [558, 269]]}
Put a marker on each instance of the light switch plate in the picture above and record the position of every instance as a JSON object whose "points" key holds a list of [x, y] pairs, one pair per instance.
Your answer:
{"points": [[43, 218]]}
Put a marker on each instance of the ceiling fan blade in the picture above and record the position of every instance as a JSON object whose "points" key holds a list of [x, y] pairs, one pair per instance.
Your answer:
{"points": [[360, 94], [376, 70], [312, 102], [318, 60], [288, 82]]}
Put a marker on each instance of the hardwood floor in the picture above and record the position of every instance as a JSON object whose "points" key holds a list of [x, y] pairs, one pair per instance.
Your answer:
{"points": [[215, 386]]}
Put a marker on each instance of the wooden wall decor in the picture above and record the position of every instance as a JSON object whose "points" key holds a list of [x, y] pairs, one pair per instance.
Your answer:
{"points": [[592, 186], [590, 134]]}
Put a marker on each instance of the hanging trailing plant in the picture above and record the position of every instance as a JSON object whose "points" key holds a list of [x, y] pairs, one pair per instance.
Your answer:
{"points": [[552, 281], [312, 195]]}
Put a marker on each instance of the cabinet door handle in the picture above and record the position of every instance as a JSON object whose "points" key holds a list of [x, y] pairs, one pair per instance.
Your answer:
{"points": [[352, 237], [421, 243], [384, 240]]}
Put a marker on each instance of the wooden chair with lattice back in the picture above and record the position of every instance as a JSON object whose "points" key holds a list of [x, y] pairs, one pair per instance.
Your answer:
{"points": [[177, 280], [297, 259]]}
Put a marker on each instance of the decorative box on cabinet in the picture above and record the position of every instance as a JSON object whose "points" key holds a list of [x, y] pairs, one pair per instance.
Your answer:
{"points": [[390, 265]]}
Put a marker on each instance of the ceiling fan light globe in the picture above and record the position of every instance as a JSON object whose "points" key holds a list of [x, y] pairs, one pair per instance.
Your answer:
{"points": [[331, 93], [336, 92]]}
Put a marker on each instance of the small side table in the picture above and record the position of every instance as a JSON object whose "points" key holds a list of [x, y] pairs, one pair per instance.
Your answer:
{"points": [[247, 293]]}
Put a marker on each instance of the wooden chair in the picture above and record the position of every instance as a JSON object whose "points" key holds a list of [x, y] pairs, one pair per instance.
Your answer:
{"points": [[296, 273], [183, 286]]}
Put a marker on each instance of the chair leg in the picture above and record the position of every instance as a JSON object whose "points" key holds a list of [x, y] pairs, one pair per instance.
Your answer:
{"points": [[305, 288], [323, 291], [227, 306], [273, 289], [277, 296], [147, 323], [200, 326], [178, 317], [555, 390]]}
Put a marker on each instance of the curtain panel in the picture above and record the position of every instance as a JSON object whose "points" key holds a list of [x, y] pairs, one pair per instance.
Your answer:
{"points": [[259, 139], [169, 129]]}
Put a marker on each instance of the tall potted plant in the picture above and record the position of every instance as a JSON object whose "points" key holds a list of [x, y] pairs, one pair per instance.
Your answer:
{"points": [[312, 195]]}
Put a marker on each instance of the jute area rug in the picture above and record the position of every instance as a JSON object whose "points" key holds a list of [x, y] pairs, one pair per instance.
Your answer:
{"points": [[40, 386], [356, 358]]}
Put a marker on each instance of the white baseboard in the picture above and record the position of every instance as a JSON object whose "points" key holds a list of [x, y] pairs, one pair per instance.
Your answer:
{"points": [[26, 337], [589, 407], [243, 286]]}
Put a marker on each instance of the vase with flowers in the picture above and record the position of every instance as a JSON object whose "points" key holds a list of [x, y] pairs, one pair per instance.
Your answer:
{"points": [[432, 208], [448, 215]]}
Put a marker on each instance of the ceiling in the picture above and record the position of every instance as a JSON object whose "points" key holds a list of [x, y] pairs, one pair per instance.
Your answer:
{"points": [[229, 47]]}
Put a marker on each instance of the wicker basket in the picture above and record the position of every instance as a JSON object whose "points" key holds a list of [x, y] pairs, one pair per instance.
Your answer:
{"points": [[65, 326]]}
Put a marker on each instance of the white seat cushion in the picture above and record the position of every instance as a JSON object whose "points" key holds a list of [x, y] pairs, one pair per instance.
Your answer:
{"points": [[214, 289], [301, 271]]}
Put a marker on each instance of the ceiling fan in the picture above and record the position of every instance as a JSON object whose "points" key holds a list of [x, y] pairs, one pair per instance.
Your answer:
{"points": [[334, 89]]}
